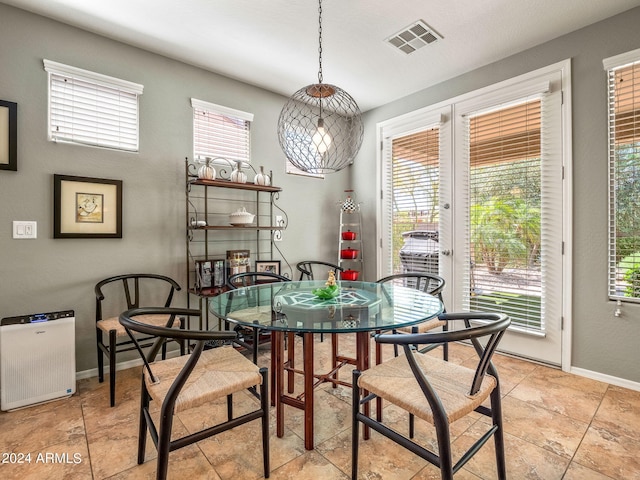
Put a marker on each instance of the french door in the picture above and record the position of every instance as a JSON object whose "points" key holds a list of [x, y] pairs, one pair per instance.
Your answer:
{"points": [[474, 192]]}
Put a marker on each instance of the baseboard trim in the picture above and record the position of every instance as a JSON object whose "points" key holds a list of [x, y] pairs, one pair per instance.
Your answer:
{"points": [[93, 372], [619, 382]]}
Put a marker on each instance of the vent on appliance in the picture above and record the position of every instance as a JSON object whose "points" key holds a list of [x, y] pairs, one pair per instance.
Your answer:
{"points": [[413, 37]]}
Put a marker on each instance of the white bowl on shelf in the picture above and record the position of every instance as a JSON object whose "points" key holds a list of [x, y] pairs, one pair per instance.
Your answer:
{"points": [[241, 217]]}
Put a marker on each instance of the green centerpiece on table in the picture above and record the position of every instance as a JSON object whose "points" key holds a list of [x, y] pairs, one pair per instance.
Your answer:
{"points": [[331, 290]]}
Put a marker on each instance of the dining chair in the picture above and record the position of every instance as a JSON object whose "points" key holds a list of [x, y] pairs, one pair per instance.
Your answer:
{"points": [[250, 338], [436, 391], [200, 378], [117, 294], [428, 283], [318, 270]]}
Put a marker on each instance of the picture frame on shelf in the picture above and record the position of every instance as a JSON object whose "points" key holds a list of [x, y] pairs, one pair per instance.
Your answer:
{"points": [[8, 135], [238, 261], [86, 207], [203, 274], [269, 266]]}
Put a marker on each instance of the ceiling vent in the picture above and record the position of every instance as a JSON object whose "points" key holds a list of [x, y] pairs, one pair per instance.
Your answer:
{"points": [[413, 37]]}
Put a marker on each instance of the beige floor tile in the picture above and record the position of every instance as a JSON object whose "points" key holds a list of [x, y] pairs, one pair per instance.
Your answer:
{"points": [[66, 460], [610, 453], [564, 393], [554, 432], [34, 428], [524, 460], [578, 472]]}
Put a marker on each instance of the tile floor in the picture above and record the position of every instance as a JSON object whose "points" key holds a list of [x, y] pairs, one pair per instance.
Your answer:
{"points": [[557, 426]]}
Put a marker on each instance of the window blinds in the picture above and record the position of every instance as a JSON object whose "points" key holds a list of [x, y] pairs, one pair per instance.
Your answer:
{"points": [[415, 183], [221, 132], [624, 179], [504, 149], [92, 109]]}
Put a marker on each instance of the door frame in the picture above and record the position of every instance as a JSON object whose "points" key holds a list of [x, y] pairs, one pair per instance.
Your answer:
{"points": [[411, 121]]}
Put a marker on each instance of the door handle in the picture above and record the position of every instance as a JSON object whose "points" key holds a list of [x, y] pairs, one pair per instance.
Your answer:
{"points": [[445, 252]]}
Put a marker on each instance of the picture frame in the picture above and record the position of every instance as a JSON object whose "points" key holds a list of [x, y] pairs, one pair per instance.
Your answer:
{"points": [[271, 266], [210, 274], [8, 135], [238, 261], [86, 207]]}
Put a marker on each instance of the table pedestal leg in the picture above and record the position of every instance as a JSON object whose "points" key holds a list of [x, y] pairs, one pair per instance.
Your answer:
{"points": [[307, 347], [277, 345], [362, 363]]}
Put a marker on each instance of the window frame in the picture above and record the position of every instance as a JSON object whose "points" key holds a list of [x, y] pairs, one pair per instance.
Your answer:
{"points": [[611, 65]]}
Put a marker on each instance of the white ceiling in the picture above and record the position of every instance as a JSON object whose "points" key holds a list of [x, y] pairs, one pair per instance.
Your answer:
{"points": [[274, 43]]}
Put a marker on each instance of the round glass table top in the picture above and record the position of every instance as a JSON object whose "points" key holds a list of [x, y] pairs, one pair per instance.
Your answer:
{"points": [[292, 306]]}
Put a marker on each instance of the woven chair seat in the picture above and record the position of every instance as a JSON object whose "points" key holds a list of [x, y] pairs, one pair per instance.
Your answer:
{"points": [[113, 323], [423, 327], [394, 381], [218, 373]]}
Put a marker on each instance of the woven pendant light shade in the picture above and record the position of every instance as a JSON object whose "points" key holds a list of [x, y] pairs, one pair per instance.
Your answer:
{"points": [[301, 125]]}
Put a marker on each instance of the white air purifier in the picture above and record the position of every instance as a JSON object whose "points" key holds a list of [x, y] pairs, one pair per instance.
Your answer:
{"points": [[37, 358]]}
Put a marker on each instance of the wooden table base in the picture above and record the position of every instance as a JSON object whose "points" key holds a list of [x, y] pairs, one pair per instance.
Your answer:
{"points": [[305, 400]]}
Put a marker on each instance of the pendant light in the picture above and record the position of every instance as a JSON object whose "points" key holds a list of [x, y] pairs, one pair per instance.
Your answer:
{"points": [[320, 129]]}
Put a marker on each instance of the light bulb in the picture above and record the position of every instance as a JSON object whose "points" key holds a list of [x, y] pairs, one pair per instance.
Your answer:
{"points": [[321, 139]]}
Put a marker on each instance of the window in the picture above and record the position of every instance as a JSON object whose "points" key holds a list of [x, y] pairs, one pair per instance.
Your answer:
{"points": [[505, 217], [221, 132], [624, 175], [88, 108]]}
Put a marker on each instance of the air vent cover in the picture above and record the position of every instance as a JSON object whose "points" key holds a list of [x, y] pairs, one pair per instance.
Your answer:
{"points": [[413, 37]]}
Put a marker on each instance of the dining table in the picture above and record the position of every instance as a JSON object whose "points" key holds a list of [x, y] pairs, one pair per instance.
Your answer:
{"points": [[287, 309]]}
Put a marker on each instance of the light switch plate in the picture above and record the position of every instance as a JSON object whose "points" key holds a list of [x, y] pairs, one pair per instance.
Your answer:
{"points": [[25, 229]]}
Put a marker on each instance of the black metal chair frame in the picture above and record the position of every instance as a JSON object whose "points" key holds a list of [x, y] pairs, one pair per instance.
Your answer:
{"points": [[246, 279], [306, 268], [133, 301], [428, 283], [162, 436], [493, 327]]}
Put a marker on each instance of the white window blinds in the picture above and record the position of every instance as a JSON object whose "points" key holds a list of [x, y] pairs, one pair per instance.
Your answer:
{"points": [[415, 185], [221, 132], [515, 207], [624, 175], [89, 108]]}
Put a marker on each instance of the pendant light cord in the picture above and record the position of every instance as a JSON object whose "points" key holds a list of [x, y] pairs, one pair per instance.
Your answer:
{"points": [[320, 41]]}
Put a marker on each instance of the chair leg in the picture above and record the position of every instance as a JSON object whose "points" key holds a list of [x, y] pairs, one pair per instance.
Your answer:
{"points": [[229, 407], [264, 405], [112, 367], [142, 428], [498, 436], [256, 341], [164, 442], [100, 355], [355, 432], [444, 447]]}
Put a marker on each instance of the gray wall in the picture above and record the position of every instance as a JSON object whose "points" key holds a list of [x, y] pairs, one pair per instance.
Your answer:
{"points": [[601, 342], [46, 274]]}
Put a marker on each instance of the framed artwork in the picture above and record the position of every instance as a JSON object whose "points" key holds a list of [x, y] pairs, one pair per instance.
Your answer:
{"points": [[8, 135], [238, 261], [271, 266], [85, 207]]}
